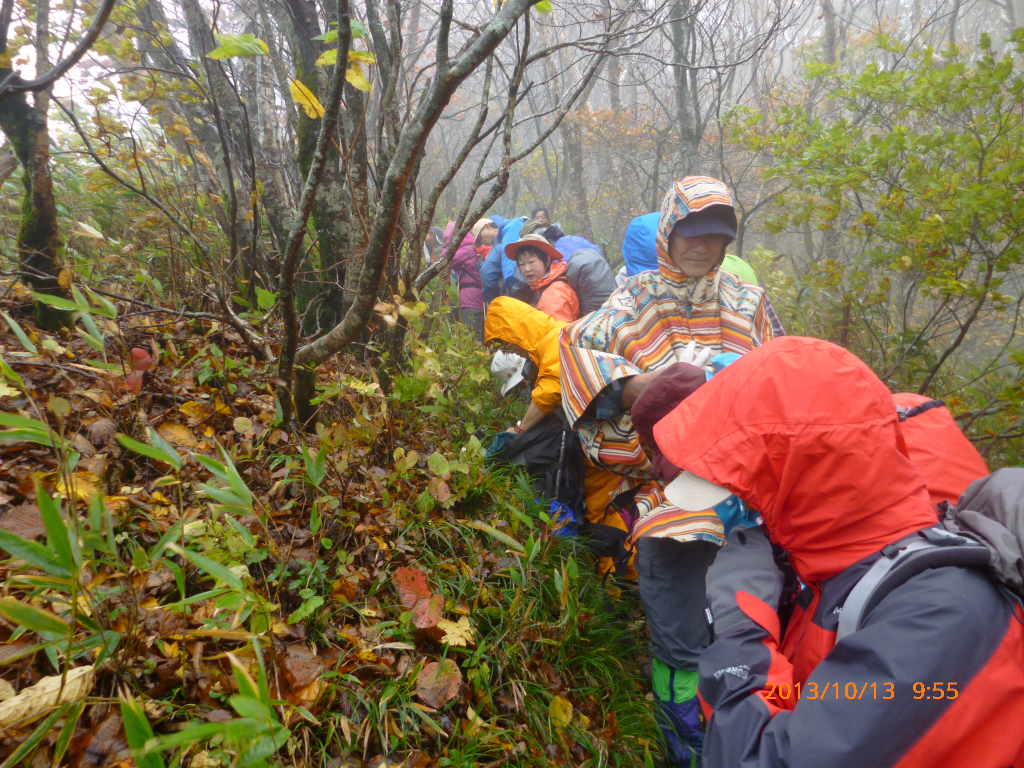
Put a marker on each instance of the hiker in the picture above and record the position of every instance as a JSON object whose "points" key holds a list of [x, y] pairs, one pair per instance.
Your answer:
{"points": [[687, 310], [466, 266], [543, 269], [530, 337], [540, 215], [432, 244], [587, 270], [484, 233], [937, 448], [806, 434], [640, 252], [497, 273]]}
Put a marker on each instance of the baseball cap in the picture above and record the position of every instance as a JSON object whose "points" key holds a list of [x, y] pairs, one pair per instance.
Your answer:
{"points": [[694, 494], [479, 227], [507, 367], [713, 220]]}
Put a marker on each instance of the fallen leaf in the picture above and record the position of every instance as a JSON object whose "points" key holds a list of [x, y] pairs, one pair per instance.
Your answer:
{"points": [[439, 683], [441, 491], [25, 521], [101, 430], [560, 710], [300, 666], [178, 434], [83, 484], [194, 409], [457, 633], [37, 700], [242, 424], [426, 608], [141, 360], [133, 382], [103, 745]]}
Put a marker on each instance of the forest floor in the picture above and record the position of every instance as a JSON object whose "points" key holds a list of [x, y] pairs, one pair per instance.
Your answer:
{"points": [[192, 583]]}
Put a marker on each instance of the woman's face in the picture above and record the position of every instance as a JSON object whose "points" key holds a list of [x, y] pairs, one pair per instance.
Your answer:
{"points": [[531, 264], [695, 256]]}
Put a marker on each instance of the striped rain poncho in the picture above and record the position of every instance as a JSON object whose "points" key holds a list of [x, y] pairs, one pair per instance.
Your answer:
{"points": [[644, 326]]}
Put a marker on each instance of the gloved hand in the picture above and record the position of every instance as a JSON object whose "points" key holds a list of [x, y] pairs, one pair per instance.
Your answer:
{"points": [[694, 355], [744, 584]]}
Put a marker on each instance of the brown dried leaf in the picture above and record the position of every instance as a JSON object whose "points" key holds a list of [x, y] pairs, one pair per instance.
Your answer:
{"points": [[25, 521], [103, 746], [300, 666], [101, 430], [439, 683], [15, 651]]}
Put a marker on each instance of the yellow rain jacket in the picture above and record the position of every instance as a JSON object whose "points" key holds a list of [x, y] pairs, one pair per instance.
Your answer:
{"points": [[536, 333]]}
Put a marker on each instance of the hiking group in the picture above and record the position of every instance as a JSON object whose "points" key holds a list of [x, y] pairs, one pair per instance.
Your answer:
{"points": [[830, 575]]}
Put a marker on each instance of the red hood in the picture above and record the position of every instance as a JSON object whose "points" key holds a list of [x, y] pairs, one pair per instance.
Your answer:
{"points": [[805, 433]]}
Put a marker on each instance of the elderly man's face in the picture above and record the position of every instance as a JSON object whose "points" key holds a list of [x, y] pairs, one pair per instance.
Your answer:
{"points": [[542, 217], [488, 233]]}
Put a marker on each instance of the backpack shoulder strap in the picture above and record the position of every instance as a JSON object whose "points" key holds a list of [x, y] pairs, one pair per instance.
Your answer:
{"points": [[930, 548]]}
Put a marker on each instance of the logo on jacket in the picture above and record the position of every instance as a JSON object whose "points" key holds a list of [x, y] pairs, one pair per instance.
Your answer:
{"points": [[742, 672]]}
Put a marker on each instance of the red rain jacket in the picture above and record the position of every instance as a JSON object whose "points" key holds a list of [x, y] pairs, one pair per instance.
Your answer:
{"points": [[807, 434]]}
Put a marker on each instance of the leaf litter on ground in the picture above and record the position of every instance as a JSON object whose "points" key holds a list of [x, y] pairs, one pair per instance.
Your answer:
{"points": [[201, 526]]}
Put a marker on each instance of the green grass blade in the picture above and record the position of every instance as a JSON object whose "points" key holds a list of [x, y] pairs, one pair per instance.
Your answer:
{"points": [[33, 553], [209, 566], [30, 617]]}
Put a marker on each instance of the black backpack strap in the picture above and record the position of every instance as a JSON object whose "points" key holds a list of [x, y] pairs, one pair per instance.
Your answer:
{"points": [[902, 560], [917, 410]]}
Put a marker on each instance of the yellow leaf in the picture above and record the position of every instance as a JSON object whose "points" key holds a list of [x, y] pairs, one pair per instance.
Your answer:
{"points": [[64, 278], [364, 57], [560, 711], [327, 58], [354, 74], [178, 434], [456, 633], [305, 99], [83, 484]]}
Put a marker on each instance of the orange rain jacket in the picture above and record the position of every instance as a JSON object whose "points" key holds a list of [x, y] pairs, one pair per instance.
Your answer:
{"points": [[557, 298]]}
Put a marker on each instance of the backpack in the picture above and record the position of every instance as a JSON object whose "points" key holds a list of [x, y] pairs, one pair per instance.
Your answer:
{"points": [[553, 459], [590, 276], [984, 530]]}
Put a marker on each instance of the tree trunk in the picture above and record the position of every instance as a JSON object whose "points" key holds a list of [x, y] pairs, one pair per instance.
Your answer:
{"points": [[579, 208], [26, 127], [681, 24], [330, 215], [828, 38]]}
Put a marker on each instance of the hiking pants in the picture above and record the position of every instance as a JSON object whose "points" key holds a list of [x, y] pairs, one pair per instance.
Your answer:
{"points": [[672, 591], [474, 318]]}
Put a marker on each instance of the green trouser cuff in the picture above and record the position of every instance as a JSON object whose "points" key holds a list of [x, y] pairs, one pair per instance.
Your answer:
{"points": [[673, 685]]}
